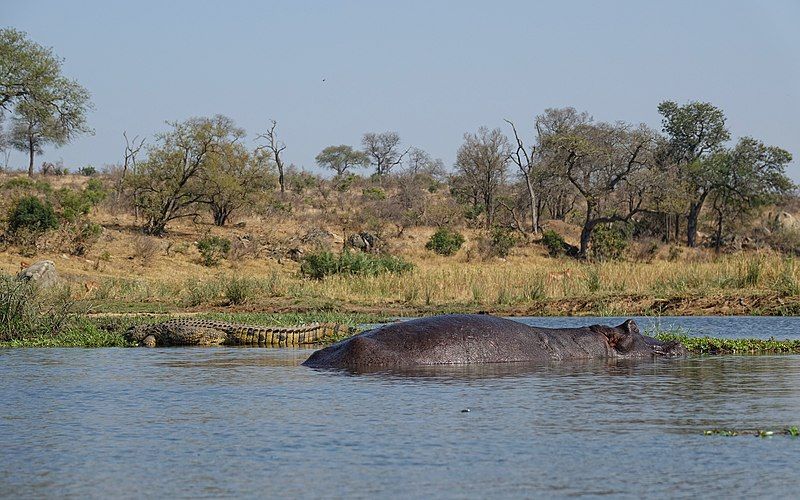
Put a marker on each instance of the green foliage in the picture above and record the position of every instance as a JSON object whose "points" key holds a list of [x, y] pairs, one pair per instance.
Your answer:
{"points": [[445, 241], [710, 345], [47, 106], [321, 264], [213, 249], [73, 205], [501, 241], [27, 184], [87, 171], [29, 213], [341, 158], [609, 241], [238, 291], [554, 243], [374, 194]]}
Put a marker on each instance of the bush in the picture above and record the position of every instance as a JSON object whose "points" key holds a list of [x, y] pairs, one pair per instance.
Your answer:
{"points": [[609, 241], [556, 246], [87, 171], [238, 291], [321, 264], [445, 241], [374, 194], [29, 213], [501, 241], [213, 249]]}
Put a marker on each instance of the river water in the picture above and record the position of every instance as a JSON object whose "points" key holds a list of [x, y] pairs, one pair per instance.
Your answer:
{"points": [[226, 422]]}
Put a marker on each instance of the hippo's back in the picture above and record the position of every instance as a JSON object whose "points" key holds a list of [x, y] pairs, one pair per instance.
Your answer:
{"points": [[447, 339]]}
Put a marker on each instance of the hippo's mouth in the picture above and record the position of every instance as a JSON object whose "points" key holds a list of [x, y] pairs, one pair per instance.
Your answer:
{"points": [[671, 349]]}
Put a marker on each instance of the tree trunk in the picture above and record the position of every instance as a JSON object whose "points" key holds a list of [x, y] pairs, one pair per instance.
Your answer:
{"points": [[586, 232], [534, 206], [31, 154], [691, 222]]}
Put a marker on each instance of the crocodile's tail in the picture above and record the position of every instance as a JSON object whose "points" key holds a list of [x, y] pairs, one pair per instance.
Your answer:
{"points": [[285, 336]]}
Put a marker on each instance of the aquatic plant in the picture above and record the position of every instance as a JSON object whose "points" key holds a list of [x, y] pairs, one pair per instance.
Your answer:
{"points": [[762, 433], [711, 345]]}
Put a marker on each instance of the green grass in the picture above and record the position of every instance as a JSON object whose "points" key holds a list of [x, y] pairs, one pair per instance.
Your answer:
{"points": [[82, 333], [109, 331]]}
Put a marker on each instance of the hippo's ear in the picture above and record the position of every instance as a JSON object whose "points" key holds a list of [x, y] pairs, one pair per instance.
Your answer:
{"points": [[630, 327]]}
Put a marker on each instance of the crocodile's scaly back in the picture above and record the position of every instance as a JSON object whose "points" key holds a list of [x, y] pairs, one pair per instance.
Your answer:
{"points": [[202, 332], [282, 336]]}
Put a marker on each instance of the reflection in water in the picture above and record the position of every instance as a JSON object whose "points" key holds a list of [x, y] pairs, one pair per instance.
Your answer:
{"points": [[252, 422]]}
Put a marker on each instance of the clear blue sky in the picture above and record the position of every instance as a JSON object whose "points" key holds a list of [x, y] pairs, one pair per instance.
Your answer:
{"points": [[431, 70]]}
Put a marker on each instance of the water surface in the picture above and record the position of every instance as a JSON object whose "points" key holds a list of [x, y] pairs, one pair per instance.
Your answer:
{"points": [[223, 422]]}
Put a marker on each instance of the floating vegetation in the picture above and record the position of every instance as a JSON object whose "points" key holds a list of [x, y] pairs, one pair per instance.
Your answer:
{"points": [[789, 431], [711, 345]]}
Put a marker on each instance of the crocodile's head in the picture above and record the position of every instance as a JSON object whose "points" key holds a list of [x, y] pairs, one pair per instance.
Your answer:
{"points": [[142, 335]]}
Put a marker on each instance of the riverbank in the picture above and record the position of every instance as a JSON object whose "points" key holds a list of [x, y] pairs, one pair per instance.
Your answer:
{"points": [[109, 330]]}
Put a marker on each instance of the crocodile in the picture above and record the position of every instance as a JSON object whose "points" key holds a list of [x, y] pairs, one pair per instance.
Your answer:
{"points": [[204, 332]]}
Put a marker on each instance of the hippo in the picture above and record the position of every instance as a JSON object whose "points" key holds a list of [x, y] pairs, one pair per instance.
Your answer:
{"points": [[480, 338]]}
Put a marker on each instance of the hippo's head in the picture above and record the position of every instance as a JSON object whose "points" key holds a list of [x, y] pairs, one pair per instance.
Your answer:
{"points": [[627, 340]]}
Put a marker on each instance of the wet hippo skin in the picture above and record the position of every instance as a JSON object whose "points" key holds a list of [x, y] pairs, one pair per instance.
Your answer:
{"points": [[478, 338]]}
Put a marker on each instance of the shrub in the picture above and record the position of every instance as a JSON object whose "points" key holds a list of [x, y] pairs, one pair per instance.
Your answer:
{"points": [[445, 241], [145, 248], [31, 214], [238, 291], [555, 244], [87, 171], [213, 249], [374, 194], [321, 264], [609, 241], [75, 204], [501, 241]]}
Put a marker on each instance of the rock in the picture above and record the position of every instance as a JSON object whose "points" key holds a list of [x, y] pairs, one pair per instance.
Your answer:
{"points": [[785, 220], [42, 273], [295, 254], [365, 242]]}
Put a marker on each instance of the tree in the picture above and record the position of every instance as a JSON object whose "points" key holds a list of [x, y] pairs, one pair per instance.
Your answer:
{"points": [[276, 147], [341, 158], [482, 162], [232, 179], [47, 105], [169, 182], [695, 132], [419, 162], [30, 131], [526, 162], [383, 150], [608, 164], [748, 176]]}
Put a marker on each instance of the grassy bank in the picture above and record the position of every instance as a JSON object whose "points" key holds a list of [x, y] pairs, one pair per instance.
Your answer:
{"points": [[108, 331], [741, 284]]}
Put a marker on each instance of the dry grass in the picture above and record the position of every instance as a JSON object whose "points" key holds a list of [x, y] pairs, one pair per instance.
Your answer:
{"points": [[156, 273]]}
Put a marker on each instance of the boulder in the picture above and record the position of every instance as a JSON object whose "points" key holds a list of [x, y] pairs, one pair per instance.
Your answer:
{"points": [[785, 220], [42, 273], [366, 242]]}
